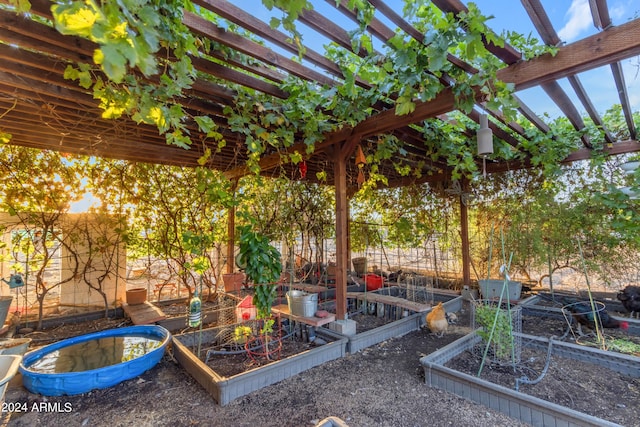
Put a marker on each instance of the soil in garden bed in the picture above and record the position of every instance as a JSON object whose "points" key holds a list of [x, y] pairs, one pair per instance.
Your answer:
{"points": [[382, 385], [234, 361], [578, 385], [611, 309], [581, 386]]}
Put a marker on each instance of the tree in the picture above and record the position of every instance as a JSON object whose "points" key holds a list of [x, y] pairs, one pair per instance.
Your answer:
{"points": [[37, 189], [97, 245], [175, 207], [299, 212]]}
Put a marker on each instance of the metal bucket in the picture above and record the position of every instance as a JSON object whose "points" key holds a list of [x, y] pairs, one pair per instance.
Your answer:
{"points": [[302, 304]]}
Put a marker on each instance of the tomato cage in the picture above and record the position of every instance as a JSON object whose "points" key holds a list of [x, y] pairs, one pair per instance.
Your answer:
{"points": [[581, 308]]}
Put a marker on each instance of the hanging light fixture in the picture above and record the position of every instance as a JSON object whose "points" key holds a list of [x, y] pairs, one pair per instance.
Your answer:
{"points": [[361, 160], [485, 142]]}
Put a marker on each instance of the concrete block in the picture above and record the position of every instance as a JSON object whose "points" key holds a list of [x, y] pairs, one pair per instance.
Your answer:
{"points": [[344, 327]]}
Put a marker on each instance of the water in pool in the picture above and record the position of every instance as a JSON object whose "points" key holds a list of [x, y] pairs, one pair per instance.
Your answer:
{"points": [[95, 354]]}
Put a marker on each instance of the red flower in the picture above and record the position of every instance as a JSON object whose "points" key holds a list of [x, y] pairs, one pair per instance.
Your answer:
{"points": [[303, 169]]}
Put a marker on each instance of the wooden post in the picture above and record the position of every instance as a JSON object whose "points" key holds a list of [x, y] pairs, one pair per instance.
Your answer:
{"points": [[342, 231], [464, 232], [231, 234]]}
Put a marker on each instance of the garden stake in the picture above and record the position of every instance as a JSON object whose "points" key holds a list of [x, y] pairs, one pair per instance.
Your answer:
{"points": [[596, 313], [505, 270]]}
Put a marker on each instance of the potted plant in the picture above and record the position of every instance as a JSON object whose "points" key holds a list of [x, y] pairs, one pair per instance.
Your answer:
{"points": [[262, 267]]}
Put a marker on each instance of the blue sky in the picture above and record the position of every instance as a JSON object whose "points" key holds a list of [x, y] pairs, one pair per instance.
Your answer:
{"points": [[571, 20]]}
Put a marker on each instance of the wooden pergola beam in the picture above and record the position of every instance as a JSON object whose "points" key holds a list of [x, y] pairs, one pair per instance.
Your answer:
{"points": [[203, 27], [549, 36], [562, 100], [616, 44], [613, 44], [575, 83], [258, 27]]}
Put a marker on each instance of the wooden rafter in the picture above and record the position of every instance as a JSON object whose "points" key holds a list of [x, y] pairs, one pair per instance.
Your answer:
{"points": [[549, 36], [418, 36], [602, 20], [591, 109], [580, 56], [32, 76], [208, 29], [385, 34], [244, 19]]}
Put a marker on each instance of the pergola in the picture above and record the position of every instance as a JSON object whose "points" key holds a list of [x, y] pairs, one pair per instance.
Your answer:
{"points": [[41, 109]]}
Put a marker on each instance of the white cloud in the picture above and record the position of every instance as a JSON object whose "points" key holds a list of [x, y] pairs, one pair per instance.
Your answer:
{"points": [[617, 14], [580, 19], [631, 70]]}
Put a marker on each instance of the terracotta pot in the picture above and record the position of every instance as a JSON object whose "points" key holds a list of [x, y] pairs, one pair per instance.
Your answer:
{"points": [[136, 296]]}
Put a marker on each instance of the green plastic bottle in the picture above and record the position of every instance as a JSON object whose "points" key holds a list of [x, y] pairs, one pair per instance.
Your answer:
{"points": [[195, 310]]}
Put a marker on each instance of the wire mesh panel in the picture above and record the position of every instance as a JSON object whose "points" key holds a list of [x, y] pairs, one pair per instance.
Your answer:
{"points": [[501, 327], [419, 288], [226, 321]]}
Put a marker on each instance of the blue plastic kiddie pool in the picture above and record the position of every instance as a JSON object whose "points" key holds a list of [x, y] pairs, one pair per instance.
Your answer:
{"points": [[98, 360]]}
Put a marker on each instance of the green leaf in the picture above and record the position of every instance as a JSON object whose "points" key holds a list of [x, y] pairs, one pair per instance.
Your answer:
{"points": [[274, 23], [205, 123], [74, 18], [112, 61], [404, 106]]}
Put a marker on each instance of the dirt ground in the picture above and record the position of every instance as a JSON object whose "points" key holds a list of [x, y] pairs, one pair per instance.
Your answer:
{"points": [[379, 386]]}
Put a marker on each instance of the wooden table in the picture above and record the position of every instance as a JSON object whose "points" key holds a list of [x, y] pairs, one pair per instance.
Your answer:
{"points": [[386, 299], [143, 314], [283, 310]]}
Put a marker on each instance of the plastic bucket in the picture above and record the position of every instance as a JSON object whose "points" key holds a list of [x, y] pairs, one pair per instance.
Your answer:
{"points": [[492, 288], [360, 265], [5, 304], [373, 281]]}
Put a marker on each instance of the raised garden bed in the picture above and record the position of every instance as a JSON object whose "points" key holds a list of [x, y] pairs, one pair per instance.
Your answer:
{"points": [[397, 328], [536, 306], [225, 389], [382, 333], [525, 407]]}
